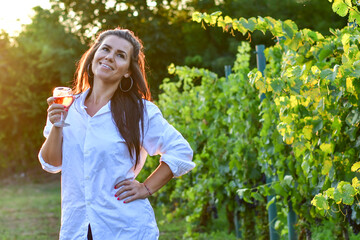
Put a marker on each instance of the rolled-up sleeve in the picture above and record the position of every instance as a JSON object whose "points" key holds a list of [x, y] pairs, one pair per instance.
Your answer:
{"points": [[48, 167], [161, 138]]}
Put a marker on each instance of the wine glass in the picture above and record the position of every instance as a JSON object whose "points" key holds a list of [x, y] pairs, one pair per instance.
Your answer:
{"points": [[63, 95]]}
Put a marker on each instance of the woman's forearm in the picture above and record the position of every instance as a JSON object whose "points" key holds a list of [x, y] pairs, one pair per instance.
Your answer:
{"points": [[159, 177], [51, 151]]}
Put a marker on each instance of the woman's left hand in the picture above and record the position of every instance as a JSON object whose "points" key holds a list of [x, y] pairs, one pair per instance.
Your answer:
{"points": [[131, 188]]}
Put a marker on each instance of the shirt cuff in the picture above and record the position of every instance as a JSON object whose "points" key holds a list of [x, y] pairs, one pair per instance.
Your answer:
{"points": [[178, 167], [48, 167]]}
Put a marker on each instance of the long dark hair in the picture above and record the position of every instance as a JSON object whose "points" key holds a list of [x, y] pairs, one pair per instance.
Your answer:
{"points": [[127, 108]]}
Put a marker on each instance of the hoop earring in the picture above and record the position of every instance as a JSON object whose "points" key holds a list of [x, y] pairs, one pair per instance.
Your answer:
{"points": [[131, 85], [89, 71]]}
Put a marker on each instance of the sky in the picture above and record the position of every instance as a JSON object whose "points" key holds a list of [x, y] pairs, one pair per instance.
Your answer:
{"points": [[14, 13]]}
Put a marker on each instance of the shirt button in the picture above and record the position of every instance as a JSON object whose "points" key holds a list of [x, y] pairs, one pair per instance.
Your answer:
{"points": [[87, 178], [88, 203]]}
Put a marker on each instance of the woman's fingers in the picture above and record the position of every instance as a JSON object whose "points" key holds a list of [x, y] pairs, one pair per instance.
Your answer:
{"points": [[54, 111], [50, 100], [132, 189], [124, 182], [124, 189], [131, 199], [126, 194]]}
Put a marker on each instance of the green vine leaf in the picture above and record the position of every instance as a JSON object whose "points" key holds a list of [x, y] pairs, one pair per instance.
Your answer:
{"points": [[340, 7], [355, 183], [327, 147], [197, 17], [344, 193], [326, 167], [355, 167], [354, 15], [320, 202]]}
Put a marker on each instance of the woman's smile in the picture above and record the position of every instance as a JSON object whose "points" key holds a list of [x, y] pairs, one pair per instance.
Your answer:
{"points": [[106, 66]]}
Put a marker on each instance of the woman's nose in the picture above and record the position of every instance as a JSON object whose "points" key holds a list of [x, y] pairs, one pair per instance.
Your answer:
{"points": [[109, 56]]}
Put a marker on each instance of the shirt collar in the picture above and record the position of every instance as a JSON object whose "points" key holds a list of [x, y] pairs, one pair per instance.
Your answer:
{"points": [[82, 96]]}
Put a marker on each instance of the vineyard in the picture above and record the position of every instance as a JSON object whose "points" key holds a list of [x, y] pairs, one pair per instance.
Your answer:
{"points": [[284, 138], [270, 108]]}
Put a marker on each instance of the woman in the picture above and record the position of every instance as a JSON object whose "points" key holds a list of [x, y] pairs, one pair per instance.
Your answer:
{"points": [[113, 126]]}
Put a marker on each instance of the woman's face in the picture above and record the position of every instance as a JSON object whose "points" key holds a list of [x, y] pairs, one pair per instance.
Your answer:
{"points": [[112, 60]]}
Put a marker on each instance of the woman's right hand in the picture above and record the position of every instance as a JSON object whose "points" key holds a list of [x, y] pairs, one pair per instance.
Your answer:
{"points": [[54, 110]]}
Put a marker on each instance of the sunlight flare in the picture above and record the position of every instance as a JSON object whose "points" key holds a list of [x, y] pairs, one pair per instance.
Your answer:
{"points": [[14, 14]]}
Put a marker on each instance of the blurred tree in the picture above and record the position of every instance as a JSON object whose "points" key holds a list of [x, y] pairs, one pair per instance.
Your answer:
{"points": [[150, 20], [41, 57]]}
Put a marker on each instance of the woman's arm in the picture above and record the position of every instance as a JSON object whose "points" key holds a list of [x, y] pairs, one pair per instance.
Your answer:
{"points": [[159, 178], [51, 151], [154, 182], [176, 157]]}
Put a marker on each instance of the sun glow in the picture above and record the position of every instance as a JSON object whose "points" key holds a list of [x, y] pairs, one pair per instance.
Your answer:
{"points": [[15, 13]]}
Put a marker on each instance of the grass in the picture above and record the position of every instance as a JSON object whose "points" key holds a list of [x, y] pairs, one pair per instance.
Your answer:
{"points": [[31, 209]]}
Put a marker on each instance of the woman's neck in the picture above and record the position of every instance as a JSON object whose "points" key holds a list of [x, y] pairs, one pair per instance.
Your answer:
{"points": [[100, 95], [102, 92]]}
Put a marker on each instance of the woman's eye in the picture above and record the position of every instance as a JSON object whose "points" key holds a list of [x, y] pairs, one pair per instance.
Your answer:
{"points": [[105, 49], [121, 55]]}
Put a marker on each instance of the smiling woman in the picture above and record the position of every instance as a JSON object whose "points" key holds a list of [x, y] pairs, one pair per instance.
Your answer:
{"points": [[16, 13], [113, 127]]}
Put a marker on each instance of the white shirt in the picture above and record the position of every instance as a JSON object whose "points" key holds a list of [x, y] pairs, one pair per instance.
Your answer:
{"points": [[95, 158]]}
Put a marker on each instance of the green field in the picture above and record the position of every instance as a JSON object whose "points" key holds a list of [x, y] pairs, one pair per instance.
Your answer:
{"points": [[30, 209]]}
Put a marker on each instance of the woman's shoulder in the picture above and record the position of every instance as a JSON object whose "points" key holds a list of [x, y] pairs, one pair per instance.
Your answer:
{"points": [[77, 96], [81, 95], [148, 103], [150, 107]]}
